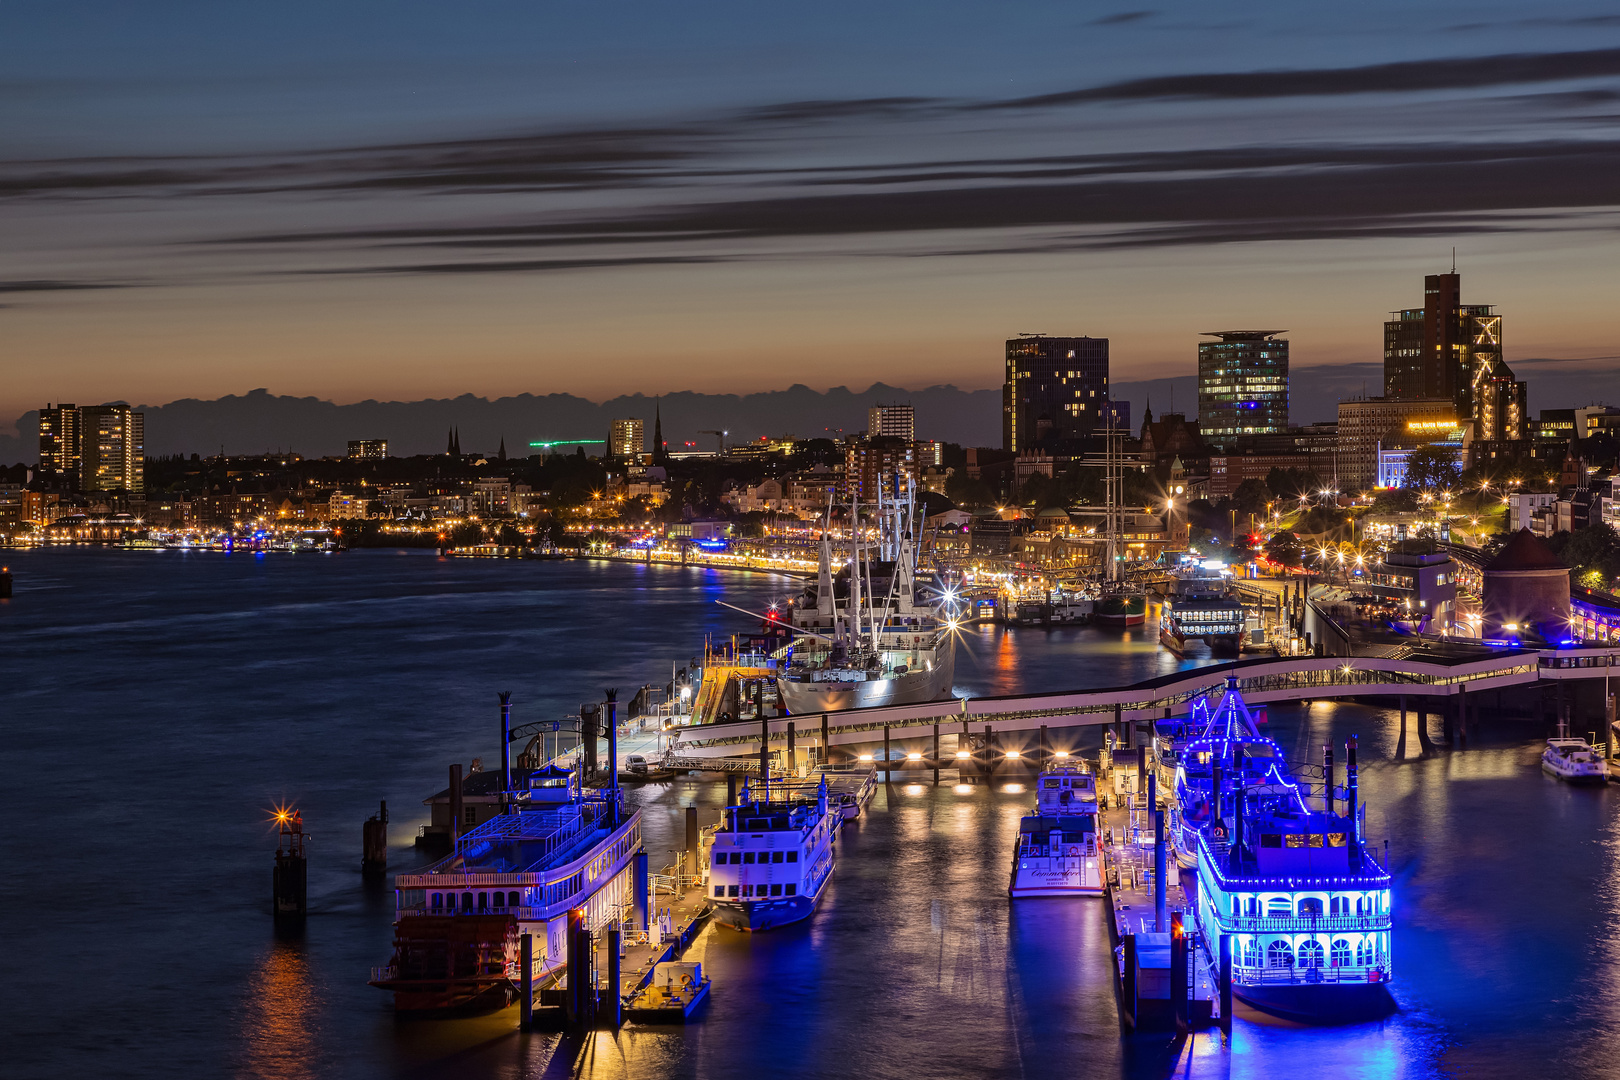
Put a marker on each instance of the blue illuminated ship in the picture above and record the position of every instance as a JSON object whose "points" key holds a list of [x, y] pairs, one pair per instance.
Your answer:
{"points": [[772, 856], [1220, 746]]}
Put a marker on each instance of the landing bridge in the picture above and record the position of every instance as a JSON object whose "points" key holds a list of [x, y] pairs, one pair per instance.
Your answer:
{"points": [[1413, 672]]}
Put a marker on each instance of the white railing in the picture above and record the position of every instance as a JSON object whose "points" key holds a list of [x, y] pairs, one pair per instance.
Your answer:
{"points": [[384, 974], [1307, 976], [1264, 924]]}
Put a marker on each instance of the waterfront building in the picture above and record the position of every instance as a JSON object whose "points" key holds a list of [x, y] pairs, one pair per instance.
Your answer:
{"points": [[1526, 592], [112, 454], [1056, 391], [59, 463], [1242, 385], [1416, 576], [627, 438], [1365, 424], [898, 421], [1448, 349], [368, 449]]}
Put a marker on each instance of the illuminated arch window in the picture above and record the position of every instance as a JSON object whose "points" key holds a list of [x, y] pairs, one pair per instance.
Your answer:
{"points": [[1310, 907], [1251, 953], [1279, 955], [1364, 952], [1310, 954], [1340, 954]]}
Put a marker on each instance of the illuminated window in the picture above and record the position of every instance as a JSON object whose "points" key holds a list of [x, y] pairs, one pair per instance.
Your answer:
{"points": [[1279, 955], [1340, 956]]}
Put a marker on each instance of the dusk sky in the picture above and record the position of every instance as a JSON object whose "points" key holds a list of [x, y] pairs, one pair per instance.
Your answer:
{"points": [[402, 200]]}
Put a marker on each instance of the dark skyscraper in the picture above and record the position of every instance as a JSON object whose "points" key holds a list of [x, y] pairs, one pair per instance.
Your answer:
{"points": [[1448, 349], [59, 450], [1242, 385], [1056, 391]]}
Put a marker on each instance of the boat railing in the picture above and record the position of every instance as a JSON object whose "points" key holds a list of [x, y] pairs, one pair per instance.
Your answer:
{"points": [[1307, 976], [1261, 924], [384, 974]]}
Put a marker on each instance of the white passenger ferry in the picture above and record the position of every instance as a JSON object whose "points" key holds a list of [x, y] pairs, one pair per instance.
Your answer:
{"points": [[1057, 853], [1573, 760], [773, 855], [458, 922]]}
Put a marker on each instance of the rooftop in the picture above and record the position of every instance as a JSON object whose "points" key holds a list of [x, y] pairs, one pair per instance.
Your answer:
{"points": [[1524, 551]]}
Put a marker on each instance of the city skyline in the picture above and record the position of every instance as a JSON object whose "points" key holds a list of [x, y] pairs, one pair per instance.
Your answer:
{"points": [[463, 207]]}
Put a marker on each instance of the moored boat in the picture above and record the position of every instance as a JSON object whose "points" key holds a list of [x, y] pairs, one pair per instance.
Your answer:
{"points": [[1574, 761], [773, 855], [458, 922], [1057, 852]]}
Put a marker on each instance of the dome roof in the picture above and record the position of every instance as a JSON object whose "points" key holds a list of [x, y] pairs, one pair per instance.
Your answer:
{"points": [[1524, 551], [1054, 512]]}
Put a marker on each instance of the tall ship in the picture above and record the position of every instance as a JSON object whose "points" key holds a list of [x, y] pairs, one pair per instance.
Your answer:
{"points": [[1202, 606], [458, 922], [1057, 851], [772, 857], [1120, 602], [1306, 904], [864, 635]]}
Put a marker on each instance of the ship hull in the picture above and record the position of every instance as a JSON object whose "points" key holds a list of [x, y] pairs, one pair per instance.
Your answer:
{"points": [[911, 688], [769, 914], [451, 999], [1319, 1003]]}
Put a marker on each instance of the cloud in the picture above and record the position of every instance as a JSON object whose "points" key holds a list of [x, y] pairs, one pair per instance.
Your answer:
{"points": [[1406, 76], [523, 266], [1119, 18], [48, 285]]}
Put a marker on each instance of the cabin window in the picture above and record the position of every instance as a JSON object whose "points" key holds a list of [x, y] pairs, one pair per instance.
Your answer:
{"points": [[499, 900], [1237, 903], [776, 890], [776, 856], [791, 889], [1310, 908], [719, 890], [438, 901], [483, 901], [748, 857], [748, 890], [1310, 954], [1336, 839], [1252, 906], [469, 815], [1279, 907], [466, 901], [1313, 840], [1251, 953], [793, 856], [1341, 953], [1279, 955], [1270, 840], [1296, 839], [1336, 906], [512, 899], [731, 890], [1364, 953]]}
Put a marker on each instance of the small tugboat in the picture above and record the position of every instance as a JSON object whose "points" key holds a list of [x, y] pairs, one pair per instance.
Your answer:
{"points": [[772, 856], [1057, 851], [1573, 760], [1306, 904], [458, 922]]}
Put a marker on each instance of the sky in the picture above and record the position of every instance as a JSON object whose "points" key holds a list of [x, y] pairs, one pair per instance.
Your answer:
{"points": [[404, 200]]}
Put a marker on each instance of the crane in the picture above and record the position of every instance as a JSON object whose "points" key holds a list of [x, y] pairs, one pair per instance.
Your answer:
{"points": [[720, 440]]}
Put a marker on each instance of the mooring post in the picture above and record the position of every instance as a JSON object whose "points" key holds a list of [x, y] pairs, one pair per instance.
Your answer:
{"points": [[826, 747], [1119, 722], [643, 882], [1226, 983], [455, 803], [615, 995], [506, 748], [936, 755], [1462, 715], [573, 1010], [792, 756], [887, 765], [731, 789], [1044, 750], [374, 843], [1424, 742], [1158, 870], [764, 759], [526, 990], [613, 749], [1141, 772], [1128, 990], [691, 841], [1178, 973]]}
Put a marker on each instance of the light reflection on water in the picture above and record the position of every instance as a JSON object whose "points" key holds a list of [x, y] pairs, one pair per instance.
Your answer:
{"points": [[196, 690]]}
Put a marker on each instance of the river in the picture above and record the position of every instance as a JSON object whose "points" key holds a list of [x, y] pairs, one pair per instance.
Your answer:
{"points": [[156, 705]]}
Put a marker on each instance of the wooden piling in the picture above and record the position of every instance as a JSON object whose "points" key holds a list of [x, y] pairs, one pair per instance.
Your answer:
{"points": [[1128, 982], [936, 755], [691, 840], [374, 843], [826, 747], [887, 764], [1226, 983], [1178, 975], [526, 986], [792, 758], [613, 1000]]}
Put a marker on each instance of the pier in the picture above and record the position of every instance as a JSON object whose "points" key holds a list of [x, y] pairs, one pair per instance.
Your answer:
{"points": [[1444, 680]]}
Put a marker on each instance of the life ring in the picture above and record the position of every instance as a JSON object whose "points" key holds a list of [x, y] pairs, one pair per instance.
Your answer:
{"points": [[1074, 851]]}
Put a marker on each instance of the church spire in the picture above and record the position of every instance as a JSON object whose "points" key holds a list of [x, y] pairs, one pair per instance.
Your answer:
{"points": [[450, 443], [500, 455], [658, 436]]}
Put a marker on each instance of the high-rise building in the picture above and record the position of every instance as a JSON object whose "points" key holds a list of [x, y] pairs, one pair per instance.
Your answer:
{"points": [[368, 449], [1448, 349], [1056, 391], [893, 420], [1242, 385], [627, 438], [871, 463], [112, 440], [59, 445]]}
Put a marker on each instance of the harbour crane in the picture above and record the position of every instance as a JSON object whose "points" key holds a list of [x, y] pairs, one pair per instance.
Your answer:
{"points": [[720, 440]]}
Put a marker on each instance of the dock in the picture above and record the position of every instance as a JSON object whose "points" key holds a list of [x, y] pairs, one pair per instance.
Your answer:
{"points": [[1164, 977]]}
